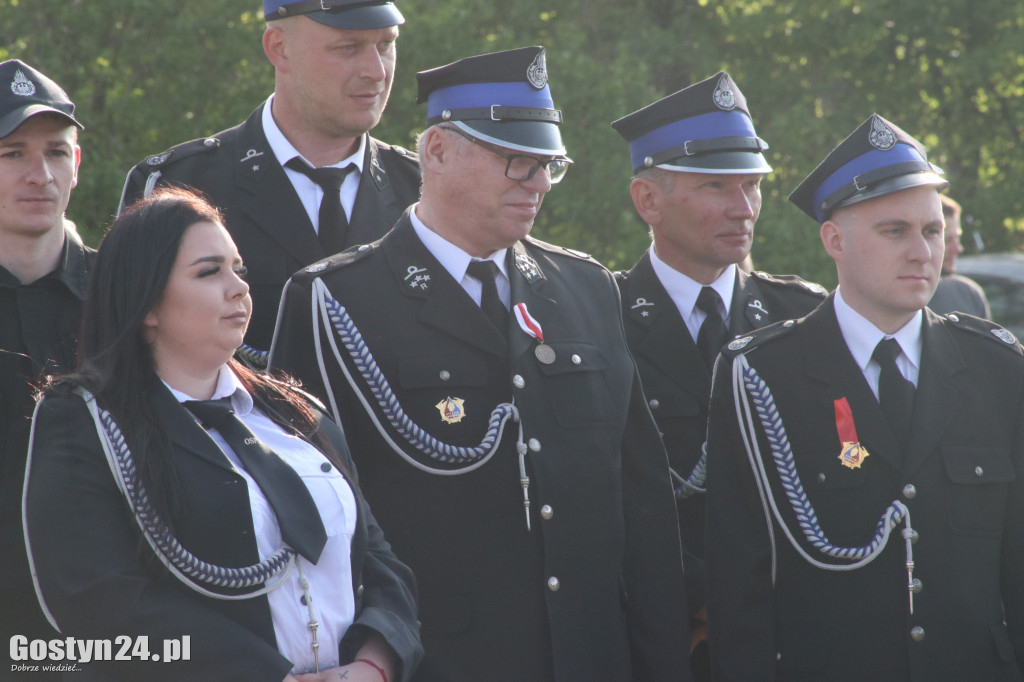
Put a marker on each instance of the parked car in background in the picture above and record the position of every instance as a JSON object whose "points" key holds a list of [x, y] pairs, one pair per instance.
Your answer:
{"points": [[1001, 275]]}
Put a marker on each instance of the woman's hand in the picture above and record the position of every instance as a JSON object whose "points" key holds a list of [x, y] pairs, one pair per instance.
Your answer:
{"points": [[355, 671]]}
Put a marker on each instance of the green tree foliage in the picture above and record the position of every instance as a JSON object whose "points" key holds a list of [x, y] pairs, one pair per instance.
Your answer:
{"points": [[147, 75]]}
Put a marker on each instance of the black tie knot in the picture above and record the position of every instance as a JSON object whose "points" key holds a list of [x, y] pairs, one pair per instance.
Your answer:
{"points": [[886, 352], [329, 179], [211, 413], [483, 270], [710, 302]]}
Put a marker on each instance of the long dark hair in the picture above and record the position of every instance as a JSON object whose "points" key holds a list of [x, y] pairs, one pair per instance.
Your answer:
{"points": [[115, 362]]}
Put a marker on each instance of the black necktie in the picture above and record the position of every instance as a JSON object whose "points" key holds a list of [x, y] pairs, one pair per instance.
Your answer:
{"points": [[301, 526], [712, 334], [333, 225], [895, 393], [486, 271]]}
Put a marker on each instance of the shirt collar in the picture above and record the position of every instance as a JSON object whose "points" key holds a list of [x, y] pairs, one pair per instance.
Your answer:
{"points": [[228, 386], [862, 336], [684, 290], [285, 151], [450, 256]]}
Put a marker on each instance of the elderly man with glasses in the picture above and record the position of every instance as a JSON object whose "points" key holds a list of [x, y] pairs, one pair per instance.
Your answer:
{"points": [[493, 408]]}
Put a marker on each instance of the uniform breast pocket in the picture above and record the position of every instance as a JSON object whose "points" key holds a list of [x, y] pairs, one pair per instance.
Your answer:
{"points": [[334, 500], [980, 478], [577, 386]]}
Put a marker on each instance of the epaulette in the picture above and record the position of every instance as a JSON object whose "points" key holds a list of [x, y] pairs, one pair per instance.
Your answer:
{"points": [[402, 151], [554, 248], [987, 329], [758, 337], [350, 255], [178, 152], [791, 282]]}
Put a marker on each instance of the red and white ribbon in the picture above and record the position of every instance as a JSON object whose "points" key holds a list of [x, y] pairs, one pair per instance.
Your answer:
{"points": [[527, 323]]}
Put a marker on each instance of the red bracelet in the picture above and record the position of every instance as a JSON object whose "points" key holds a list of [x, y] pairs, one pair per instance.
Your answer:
{"points": [[383, 675]]}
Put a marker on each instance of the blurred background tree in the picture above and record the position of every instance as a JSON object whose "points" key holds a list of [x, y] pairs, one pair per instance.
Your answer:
{"points": [[147, 75]]}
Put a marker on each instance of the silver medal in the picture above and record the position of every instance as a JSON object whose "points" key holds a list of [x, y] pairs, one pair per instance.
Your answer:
{"points": [[544, 353]]}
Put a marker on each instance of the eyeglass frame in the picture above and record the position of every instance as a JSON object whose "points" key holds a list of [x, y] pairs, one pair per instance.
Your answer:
{"points": [[509, 158]]}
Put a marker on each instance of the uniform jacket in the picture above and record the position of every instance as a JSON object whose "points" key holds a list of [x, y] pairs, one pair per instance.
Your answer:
{"points": [[100, 580], [239, 173], [38, 336], [960, 478], [594, 590], [675, 380]]}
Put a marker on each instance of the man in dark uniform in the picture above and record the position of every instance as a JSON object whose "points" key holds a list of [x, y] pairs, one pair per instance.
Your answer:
{"points": [[698, 165], [865, 462], [44, 271], [505, 445], [333, 72]]}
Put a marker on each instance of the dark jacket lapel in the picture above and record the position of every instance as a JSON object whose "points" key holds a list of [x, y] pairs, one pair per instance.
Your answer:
{"points": [[183, 430], [272, 203], [940, 390], [446, 305], [664, 341], [527, 281], [376, 208]]}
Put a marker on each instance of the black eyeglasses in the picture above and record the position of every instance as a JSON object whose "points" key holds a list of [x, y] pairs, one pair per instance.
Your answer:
{"points": [[519, 167]]}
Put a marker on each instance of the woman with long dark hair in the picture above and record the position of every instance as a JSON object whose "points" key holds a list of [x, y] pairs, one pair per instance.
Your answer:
{"points": [[180, 505]]}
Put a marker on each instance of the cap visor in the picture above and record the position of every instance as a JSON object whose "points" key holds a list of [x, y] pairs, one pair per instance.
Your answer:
{"points": [[361, 18], [10, 122], [532, 137], [892, 185], [721, 162]]}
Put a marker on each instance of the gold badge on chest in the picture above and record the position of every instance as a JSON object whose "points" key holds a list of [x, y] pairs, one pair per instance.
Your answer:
{"points": [[452, 410]]}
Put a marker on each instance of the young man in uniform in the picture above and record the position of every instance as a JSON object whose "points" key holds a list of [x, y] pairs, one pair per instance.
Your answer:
{"points": [[698, 166], [494, 412], [865, 462], [44, 273], [301, 178]]}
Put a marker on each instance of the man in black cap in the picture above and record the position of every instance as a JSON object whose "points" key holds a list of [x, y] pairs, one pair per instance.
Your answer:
{"points": [[44, 270], [865, 462], [698, 166], [280, 175], [493, 408]]}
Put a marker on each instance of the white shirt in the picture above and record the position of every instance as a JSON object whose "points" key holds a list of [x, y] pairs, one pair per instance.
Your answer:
{"points": [[684, 292], [331, 578], [456, 261], [309, 192], [862, 336]]}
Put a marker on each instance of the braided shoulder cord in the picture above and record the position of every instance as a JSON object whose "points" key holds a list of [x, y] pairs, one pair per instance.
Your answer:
{"points": [[183, 564], [757, 391], [379, 387], [254, 357]]}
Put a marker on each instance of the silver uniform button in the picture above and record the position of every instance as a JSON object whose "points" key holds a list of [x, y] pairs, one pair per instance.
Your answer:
{"points": [[445, 375], [821, 478], [917, 633], [209, 142], [916, 585], [546, 512], [553, 584], [518, 381], [359, 591], [654, 403], [534, 445], [788, 323], [576, 359], [909, 491], [979, 472], [362, 247]]}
